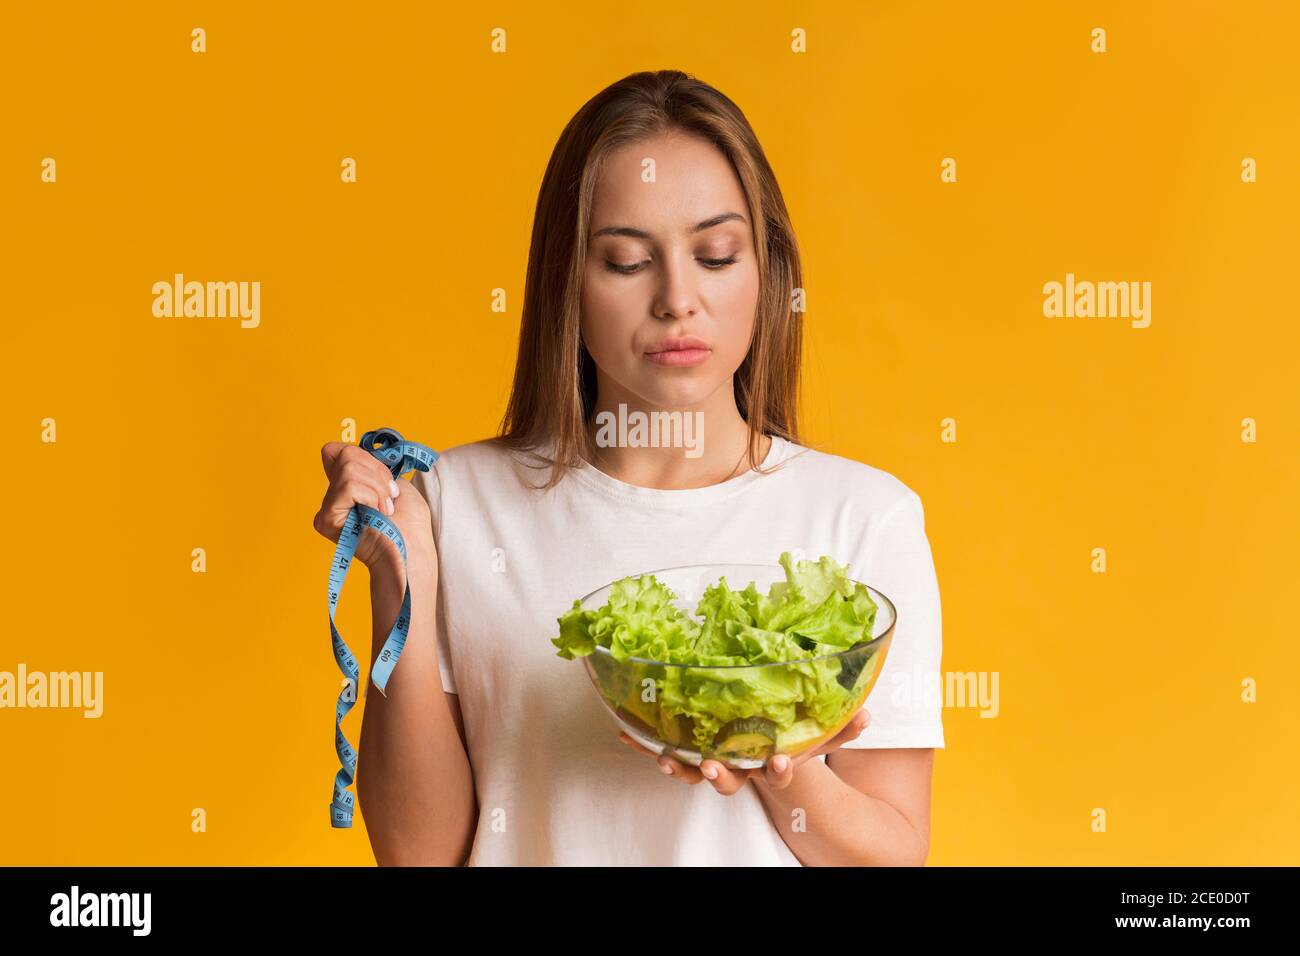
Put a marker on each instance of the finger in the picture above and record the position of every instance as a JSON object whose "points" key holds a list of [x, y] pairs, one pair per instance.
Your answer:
{"points": [[636, 746], [329, 454], [342, 497], [667, 765], [851, 731], [382, 472], [365, 475], [779, 772], [346, 464], [337, 455], [682, 771], [347, 490], [725, 780]]}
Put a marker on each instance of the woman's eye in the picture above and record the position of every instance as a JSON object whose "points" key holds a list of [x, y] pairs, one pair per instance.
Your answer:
{"points": [[637, 266]]}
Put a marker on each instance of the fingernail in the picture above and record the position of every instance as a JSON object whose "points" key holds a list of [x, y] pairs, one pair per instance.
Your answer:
{"points": [[394, 488], [666, 768], [780, 762], [388, 505], [710, 772]]}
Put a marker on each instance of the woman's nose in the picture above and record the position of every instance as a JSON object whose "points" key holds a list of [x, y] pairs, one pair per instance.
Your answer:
{"points": [[678, 292]]}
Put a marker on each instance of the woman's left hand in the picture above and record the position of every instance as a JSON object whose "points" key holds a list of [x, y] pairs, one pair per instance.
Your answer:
{"points": [[778, 772]]}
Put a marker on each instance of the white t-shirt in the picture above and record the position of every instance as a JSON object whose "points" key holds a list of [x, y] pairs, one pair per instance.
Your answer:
{"points": [[555, 785]]}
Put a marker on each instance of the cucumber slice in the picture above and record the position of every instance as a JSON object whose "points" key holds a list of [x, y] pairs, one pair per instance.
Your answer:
{"points": [[675, 730], [645, 711], [852, 667], [630, 718], [746, 737]]}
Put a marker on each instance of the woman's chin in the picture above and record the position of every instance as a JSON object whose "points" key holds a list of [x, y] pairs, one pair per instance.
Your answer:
{"points": [[685, 395]]}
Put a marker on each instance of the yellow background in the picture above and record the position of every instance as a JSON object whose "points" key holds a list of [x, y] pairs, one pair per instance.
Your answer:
{"points": [[1119, 690]]}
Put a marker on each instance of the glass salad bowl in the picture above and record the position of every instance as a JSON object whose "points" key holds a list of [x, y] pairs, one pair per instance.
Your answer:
{"points": [[740, 715]]}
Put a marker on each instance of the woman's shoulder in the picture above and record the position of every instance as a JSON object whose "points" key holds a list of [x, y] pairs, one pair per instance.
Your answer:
{"points": [[840, 476], [489, 452], [484, 451], [474, 475], [487, 461]]}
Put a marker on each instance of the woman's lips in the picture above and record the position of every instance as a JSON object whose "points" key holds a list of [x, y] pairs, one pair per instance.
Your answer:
{"points": [[679, 357]]}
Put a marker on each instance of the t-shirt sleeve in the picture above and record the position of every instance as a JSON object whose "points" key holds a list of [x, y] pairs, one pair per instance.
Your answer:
{"points": [[905, 704], [430, 487]]}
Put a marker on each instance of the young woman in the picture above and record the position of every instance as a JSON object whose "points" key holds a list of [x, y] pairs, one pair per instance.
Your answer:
{"points": [[662, 277]]}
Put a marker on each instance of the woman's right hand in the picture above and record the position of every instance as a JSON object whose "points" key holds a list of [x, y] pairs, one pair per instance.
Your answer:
{"points": [[358, 477]]}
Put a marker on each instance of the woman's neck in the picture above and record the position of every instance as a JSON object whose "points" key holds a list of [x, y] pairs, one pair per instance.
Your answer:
{"points": [[673, 448]]}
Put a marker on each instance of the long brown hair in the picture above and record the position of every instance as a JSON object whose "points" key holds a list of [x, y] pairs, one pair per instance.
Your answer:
{"points": [[554, 390]]}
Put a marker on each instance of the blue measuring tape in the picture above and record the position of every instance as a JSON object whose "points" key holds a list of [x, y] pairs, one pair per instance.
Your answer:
{"points": [[400, 456]]}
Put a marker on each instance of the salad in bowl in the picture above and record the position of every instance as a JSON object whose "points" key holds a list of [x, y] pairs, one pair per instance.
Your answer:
{"points": [[750, 675]]}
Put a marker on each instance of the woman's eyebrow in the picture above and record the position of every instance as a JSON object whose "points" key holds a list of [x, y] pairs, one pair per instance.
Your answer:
{"points": [[642, 234]]}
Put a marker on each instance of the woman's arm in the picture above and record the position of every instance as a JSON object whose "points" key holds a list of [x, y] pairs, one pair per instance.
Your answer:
{"points": [[862, 807], [415, 785]]}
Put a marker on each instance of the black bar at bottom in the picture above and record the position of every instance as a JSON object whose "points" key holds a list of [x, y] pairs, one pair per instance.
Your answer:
{"points": [[210, 904]]}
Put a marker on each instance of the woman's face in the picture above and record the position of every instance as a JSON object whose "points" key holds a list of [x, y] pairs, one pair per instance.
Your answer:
{"points": [[669, 258]]}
